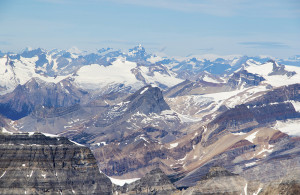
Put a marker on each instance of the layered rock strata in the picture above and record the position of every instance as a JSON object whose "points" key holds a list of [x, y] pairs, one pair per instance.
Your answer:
{"points": [[38, 164]]}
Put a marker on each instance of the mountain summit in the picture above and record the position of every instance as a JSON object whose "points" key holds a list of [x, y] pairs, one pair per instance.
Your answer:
{"points": [[147, 100]]}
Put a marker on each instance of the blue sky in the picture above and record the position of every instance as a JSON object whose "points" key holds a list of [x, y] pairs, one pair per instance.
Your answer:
{"points": [[174, 27]]}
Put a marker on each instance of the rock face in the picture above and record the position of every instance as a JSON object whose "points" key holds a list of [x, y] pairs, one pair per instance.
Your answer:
{"points": [[154, 182], [283, 188], [274, 105], [195, 88], [217, 172], [221, 181], [145, 108], [147, 100], [134, 156], [280, 69], [36, 93], [244, 79], [38, 164]]}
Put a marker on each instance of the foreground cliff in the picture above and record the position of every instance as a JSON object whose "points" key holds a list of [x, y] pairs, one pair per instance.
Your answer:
{"points": [[38, 164]]}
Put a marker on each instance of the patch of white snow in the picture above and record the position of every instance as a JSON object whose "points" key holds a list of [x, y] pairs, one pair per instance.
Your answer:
{"points": [[290, 127], [3, 174], [144, 90], [251, 137], [173, 145], [121, 182]]}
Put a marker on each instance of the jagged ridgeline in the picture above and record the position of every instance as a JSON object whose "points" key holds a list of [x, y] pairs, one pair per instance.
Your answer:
{"points": [[39, 164]]}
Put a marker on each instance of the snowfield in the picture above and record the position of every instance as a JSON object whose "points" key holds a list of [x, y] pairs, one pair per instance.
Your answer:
{"points": [[121, 72], [275, 80], [22, 71], [97, 76]]}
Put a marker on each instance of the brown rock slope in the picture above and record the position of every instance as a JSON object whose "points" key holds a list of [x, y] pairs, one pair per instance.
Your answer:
{"points": [[220, 181]]}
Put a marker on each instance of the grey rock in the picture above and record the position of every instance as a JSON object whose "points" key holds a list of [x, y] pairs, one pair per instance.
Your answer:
{"points": [[154, 182], [37, 164], [221, 181], [37, 93]]}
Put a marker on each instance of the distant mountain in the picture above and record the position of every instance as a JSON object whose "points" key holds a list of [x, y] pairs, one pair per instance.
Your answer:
{"points": [[38, 93], [209, 84], [146, 108], [123, 75], [55, 65], [274, 74], [243, 79]]}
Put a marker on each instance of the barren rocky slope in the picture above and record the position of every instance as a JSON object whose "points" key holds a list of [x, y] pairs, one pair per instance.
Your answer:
{"points": [[38, 164]]}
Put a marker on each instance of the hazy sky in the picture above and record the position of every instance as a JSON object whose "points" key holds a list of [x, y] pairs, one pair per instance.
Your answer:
{"points": [[175, 27]]}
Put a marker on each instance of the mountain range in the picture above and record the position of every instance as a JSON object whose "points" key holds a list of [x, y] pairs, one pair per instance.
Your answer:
{"points": [[190, 121]]}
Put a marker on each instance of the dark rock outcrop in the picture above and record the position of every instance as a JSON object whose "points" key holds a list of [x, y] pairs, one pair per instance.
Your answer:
{"points": [[217, 171], [279, 69], [147, 100], [154, 182], [38, 164], [244, 79]]}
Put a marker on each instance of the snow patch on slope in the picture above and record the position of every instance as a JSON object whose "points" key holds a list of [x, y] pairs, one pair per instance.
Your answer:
{"points": [[157, 77], [260, 69], [209, 79], [290, 127], [78, 144], [251, 137], [296, 105], [144, 90], [121, 182], [50, 135], [222, 95], [173, 145]]}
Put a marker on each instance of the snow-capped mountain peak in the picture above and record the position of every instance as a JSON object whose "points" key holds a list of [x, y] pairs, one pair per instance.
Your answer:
{"points": [[74, 50], [138, 51]]}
